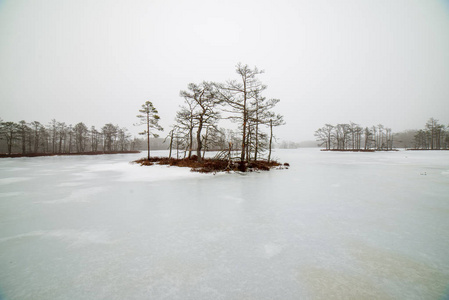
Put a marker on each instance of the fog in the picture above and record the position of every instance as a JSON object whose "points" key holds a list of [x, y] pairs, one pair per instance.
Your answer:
{"points": [[96, 62], [334, 225]]}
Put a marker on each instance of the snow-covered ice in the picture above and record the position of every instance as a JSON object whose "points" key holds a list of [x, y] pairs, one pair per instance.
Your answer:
{"points": [[332, 226]]}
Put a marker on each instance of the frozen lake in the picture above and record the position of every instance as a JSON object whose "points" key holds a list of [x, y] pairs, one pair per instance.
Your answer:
{"points": [[333, 226]]}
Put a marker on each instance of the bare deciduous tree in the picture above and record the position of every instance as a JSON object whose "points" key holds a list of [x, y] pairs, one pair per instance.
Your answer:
{"points": [[203, 111], [237, 94]]}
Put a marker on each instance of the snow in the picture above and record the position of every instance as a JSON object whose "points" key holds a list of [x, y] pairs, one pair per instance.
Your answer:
{"points": [[334, 225]]}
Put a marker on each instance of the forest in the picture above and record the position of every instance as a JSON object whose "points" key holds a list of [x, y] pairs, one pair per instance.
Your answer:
{"points": [[342, 137], [59, 138], [434, 136], [354, 137]]}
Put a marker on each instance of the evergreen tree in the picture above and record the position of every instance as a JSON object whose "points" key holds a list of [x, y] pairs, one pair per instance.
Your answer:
{"points": [[150, 118]]}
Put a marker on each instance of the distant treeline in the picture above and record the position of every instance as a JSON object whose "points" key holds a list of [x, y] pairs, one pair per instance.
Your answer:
{"points": [[58, 137], [434, 136], [352, 136], [295, 145]]}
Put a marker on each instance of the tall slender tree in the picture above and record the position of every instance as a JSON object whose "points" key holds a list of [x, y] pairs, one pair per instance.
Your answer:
{"points": [[23, 131], [185, 122], [36, 126], [237, 94], [150, 118], [62, 132], [80, 131], [259, 113], [275, 120]]}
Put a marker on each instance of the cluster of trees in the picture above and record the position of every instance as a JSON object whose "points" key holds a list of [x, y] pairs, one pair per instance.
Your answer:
{"points": [[58, 137], [434, 136], [295, 145], [355, 137], [241, 101]]}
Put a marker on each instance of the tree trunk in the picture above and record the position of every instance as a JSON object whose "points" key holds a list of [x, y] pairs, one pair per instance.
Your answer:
{"points": [[248, 141], [205, 141], [177, 147], [9, 141], [198, 139], [148, 134], [242, 156], [23, 143], [190, 141], [171, 143], [271, 139], [257, 139], [391, 145]]}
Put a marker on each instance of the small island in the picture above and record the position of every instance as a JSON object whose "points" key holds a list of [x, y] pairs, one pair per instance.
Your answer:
{"points": [[213, 165], [205, 104]]}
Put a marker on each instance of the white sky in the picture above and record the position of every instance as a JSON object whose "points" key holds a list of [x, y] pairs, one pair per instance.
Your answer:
{"points": [[328, 61]]}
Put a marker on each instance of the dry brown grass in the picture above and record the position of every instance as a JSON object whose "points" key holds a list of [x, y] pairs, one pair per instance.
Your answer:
{"points": [[210, 165]]}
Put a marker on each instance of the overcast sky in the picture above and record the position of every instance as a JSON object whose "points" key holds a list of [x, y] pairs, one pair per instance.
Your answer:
{"points": [[328, 61]]}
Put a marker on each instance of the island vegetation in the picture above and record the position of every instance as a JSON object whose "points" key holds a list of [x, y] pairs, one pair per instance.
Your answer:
{"points": [[196, 130]]}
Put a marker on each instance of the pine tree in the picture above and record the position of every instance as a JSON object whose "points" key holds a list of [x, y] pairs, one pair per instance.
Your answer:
{"points": [[150, 118]]}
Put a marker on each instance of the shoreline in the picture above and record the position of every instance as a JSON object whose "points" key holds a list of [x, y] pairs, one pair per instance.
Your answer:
{"points": [[15, 155]]}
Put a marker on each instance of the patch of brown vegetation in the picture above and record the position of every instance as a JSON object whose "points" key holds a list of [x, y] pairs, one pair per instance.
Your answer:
{"points": [[262, 165], [146, 162], [210, 165]]}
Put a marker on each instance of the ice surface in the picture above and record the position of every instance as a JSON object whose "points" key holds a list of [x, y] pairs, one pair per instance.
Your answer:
{"points": [[332, 226]]}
